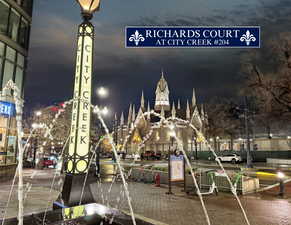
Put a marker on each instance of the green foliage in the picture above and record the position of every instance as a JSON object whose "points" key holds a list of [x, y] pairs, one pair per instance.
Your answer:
{"points": [[159, 168]]}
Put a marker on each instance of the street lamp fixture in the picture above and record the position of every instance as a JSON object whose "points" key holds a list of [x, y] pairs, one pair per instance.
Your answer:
{"points": [[38, 113], [96, 110], [102, 92], [77, 159], [172, 134], [172, 126], [37, 125], [88, 7], [105, 111], [280, 175]]}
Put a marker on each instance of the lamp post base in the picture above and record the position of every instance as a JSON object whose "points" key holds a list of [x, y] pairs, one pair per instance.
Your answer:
{"points": [[72, 190]]}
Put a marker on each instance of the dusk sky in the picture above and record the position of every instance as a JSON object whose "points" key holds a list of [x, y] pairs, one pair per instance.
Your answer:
{"points": [[126, 72]]}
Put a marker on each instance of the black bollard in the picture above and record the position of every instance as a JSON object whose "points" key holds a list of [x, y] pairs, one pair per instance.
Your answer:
{"points": [[281, 186]]}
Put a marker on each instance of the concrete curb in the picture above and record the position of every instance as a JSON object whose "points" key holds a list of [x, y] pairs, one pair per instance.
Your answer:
{"points": [[272, 186], [146, 219], [274, 166]]}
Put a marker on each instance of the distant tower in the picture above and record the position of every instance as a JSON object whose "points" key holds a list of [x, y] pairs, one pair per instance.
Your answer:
{"points": [[193, 98], [162, 112], [142, 101], [188, 111], [129, 115], [202, 115], [173, 110], [162, 95], [133, 114], [179, 104], [122, 119], [148, 111]]}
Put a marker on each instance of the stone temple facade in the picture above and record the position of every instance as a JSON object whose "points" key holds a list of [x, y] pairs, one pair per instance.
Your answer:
{"points": [[153, 136]]}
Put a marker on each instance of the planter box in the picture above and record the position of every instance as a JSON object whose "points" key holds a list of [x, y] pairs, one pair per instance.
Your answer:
{"points": [[250, 185]]}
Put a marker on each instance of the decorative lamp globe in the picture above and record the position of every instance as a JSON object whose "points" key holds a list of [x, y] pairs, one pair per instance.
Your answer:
{"points": [[88, 7]]}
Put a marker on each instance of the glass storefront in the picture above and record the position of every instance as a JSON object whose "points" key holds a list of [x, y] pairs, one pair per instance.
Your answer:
{"points": [[23, 33], [13, 24], [11, 66], [4, 15], [26, 5], [15, 19], [8, 134], [8, 140]]}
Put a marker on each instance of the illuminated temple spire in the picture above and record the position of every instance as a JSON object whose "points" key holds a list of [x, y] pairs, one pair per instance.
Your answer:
{"points": [[193, 98], [188, 111], [162, 94], [129, 115], [122, 119], [142, 101], [173, 110]]}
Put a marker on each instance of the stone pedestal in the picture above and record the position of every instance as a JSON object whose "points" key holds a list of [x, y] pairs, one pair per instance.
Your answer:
{"points": [[72, 190]]}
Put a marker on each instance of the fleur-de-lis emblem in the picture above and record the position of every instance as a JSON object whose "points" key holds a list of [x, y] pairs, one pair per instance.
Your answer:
{"points": [[136, 37], [248, 37]]}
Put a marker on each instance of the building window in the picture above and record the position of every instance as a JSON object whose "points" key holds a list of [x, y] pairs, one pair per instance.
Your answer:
{"points": [[8, 72], [13, 25], [8, 65], [19, 78], [20, 60], [4, 13], [11, 66], [10, 54], [2, 46], [27, 6], [8, 140], [23, 33], [1, 66]]}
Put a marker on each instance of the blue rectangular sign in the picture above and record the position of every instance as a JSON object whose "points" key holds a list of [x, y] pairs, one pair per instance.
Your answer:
{"points": [[7, 109], [192, 37]]}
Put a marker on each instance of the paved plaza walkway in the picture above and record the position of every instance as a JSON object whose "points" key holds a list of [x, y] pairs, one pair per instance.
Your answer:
{"points": [[151, 203], [180, 209], [37, 193]]}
